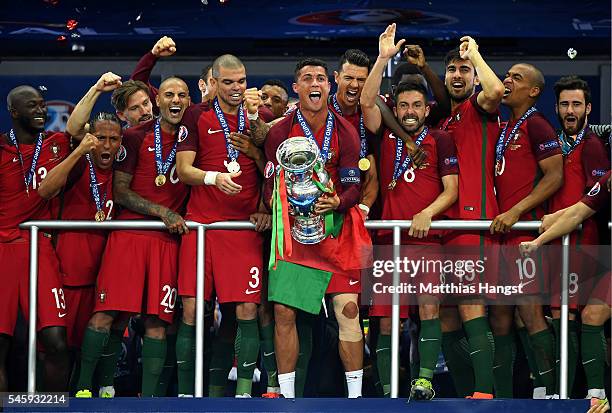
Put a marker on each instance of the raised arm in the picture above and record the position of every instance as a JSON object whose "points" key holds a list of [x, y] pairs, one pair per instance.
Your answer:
{"points": [[492, 88], [57, 177], [415, 55], [79, 117], [165, 46]]}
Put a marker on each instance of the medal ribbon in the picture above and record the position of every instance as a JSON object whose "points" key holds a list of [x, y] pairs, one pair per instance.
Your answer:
{"points": [[232, 153], [329, 128], [399, 149], [27, 179], [502, 141], [162, 167], [567, 146], [93, 184], [363, 143]]}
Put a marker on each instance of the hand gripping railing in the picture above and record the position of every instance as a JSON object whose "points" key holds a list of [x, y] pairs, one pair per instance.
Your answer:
{"points": [[396, 226]]}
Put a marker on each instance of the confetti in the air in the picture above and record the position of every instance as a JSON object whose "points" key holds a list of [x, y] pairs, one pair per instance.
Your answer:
{"points": [[205, 2], [572, 53], [71, 24], [51, 2], [75, 35], [138, 17], [78, 48], [61, 38], [42, 88]]}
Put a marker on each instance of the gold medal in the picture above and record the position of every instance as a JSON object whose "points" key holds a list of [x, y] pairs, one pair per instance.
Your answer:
{"points": [[364, 164], [392, 184], [160, 180], [100, 216]]}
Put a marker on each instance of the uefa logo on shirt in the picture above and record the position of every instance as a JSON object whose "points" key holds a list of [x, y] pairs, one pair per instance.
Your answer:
{"points": [[121, 154], [182, 134]]}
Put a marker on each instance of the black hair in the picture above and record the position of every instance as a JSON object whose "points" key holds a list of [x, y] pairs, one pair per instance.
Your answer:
{"points": [[205, 71], [355, 57], [451, 56], [409, 86], [309, 61], [572, 82], [103, 117], [276, 82], [404, 69]]}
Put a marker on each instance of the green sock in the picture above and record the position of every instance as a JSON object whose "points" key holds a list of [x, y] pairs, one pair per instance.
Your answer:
{"points": [[153, 357], [430, 343], [503, 367], [107, 365], [169, 365], [543, 345], [185, 358], [221, 362], [572, 352], [457, 356], [91, 350], [531, 361], [593, 355], [266, 335], [247, 351], [383, 363], [482, 348], [304, 331]]}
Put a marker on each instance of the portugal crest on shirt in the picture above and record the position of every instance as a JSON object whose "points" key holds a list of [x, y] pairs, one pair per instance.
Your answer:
{"points": [[55, 150]]}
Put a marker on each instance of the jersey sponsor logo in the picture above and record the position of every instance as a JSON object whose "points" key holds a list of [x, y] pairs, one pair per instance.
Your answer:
{"points": [[450, 161], [598, 172], [595, 190], [551, 144], [350, 176], [121, 154], [269, 170], [210, 131], [182, 133]]}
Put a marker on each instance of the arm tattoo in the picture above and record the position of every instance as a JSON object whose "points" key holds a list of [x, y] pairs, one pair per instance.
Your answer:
{"points": [[259, 130], [131, 200]]}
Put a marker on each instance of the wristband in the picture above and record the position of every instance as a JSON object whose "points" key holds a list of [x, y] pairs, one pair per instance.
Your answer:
{"points": [[253, 116], [210, 177], [364, 208]]}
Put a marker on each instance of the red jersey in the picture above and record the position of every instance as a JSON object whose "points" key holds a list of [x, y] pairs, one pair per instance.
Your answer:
{"points": [[206, 202], [342, 160], [534, 141], [16, 206], [598, 196], [475, 133], [139, 143], [417, 188], [81, 268], [582, 168]]}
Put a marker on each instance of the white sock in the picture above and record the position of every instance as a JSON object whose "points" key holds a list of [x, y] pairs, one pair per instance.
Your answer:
{"points": [[539, 393], [353, 383], [286, 382], [598, 393]]}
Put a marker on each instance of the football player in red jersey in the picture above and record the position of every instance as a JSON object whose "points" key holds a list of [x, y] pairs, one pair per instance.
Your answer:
{"points": [[474, 127], [220, 175], [140, 270], [585, 161], [274, 96], [410, 193], [340, 150], [597, 310], [529, 170], [27, 154], [81, 201]]}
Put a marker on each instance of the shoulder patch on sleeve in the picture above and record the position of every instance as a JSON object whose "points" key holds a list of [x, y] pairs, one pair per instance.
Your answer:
{"points": [[350, 176]]}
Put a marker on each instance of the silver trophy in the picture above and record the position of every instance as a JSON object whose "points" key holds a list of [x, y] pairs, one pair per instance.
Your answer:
{"points": [[298, 156]]}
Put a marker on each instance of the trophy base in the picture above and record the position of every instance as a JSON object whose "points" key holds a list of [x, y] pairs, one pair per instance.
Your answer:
{"points": [[308, 230]]}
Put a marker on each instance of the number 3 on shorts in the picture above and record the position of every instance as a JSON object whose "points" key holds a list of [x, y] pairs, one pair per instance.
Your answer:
{"points": [[254, 283]]}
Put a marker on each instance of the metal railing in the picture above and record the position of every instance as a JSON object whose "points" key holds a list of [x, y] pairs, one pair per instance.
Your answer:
{"points": [[395, 225]]}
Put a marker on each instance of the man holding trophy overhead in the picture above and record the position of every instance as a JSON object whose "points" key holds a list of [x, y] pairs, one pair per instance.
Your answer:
{"points": [[313, 186]]}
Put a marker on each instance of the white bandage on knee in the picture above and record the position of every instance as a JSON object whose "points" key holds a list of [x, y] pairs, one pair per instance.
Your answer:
{"points": [[349, 328]]}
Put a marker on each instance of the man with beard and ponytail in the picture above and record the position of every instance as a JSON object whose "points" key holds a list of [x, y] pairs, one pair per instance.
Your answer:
{"points": [[412, 193], [220, 175], [27, 154], [474, 127], [140, 268], [339, 143], [529, 170], [585, 161]]}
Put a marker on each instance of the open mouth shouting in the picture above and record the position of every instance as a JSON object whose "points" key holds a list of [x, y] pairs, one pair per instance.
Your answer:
{"points": [[236, 98], [351, 96], [507, 91], [175, 111], [315, 97], [106, 159], [571, 122], [457, 86], [410, 121]]}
